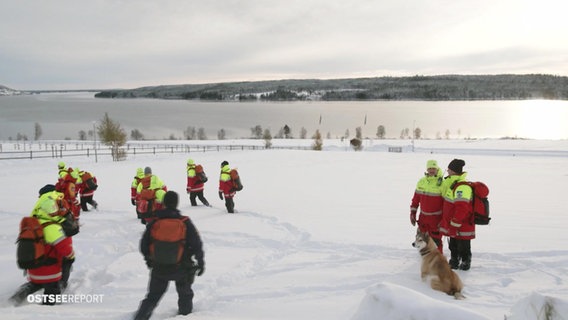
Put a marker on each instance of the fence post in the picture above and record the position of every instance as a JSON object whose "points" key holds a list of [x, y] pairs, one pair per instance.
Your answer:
{"points": [[31, 156]]}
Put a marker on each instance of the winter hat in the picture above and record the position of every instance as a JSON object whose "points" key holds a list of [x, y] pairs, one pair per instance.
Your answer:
{"points": [[47, 188], [431, 164], [456, 165], [140, 173], [190, 161], [224, 163], [61, 165], [147, 170], [171, 200]]}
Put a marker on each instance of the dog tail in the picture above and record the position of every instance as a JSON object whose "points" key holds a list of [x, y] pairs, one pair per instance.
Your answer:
{"points": [[459, 296]]}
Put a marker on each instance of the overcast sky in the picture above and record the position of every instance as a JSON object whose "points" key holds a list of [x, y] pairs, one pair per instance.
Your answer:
{"points": [[101, 44]]}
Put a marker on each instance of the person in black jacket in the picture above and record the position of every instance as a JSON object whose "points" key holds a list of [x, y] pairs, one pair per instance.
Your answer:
{"points": [[182, 272]]}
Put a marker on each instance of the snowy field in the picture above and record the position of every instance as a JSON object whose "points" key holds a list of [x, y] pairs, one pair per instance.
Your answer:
{"points": [[318, 235]]}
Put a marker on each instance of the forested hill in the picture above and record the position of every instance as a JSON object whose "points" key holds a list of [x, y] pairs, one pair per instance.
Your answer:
{"points": [[443, 87]]}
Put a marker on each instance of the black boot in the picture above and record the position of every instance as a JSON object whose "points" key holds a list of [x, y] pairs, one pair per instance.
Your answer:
{"points": [[454, 263], [465, 265], [23, 291], [145, 311]]}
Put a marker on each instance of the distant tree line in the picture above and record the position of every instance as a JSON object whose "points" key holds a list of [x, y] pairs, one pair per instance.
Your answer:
{"points": [[432, 88]]}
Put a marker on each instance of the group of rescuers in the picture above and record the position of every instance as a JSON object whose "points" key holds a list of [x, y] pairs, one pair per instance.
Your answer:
{"points": [[437, 207], [443, 207], [187, 260]]}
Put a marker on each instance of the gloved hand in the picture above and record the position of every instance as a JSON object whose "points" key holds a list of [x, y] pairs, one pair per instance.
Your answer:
{"points": [[187, 190], [149, 263], [413, 217], [67, 262], [200, 267], [133, 201], [220, 195]]}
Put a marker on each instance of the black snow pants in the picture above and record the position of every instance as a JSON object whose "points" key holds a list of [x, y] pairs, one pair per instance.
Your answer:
{"points": [[157, 287]]}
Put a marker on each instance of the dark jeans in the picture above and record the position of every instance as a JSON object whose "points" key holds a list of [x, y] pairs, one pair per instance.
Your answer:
{"points": [[197, 194], [157, 287], [460, 250]]}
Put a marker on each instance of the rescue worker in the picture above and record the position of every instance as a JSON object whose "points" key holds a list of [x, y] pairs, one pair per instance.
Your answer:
{"points": [[87, 190], [139, 175], [149, 195], [196, 179], [68, 188], [182, 272], [226, 187], [53, 276], [428, 196], [62, 170], [457, 216]]}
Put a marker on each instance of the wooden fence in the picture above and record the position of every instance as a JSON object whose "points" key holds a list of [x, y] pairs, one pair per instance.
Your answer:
{"points": [[62, 150]]}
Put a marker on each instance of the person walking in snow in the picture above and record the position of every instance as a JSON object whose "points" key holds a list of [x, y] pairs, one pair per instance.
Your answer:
{"points": [[196, 179], [53, 275], [457, 215], [428, 196], [149, 195], [171, 265], [134, 185], [87, 189], [229, 184]]}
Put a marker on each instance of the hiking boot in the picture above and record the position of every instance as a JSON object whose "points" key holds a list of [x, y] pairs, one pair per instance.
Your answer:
{"points": [[23, 291], [454, 263], [465, 265], [95, 205]]}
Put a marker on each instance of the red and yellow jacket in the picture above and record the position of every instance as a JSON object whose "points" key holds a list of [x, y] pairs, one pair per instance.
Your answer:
{"points": [[428, 196], [57, 246], [457, 212]]}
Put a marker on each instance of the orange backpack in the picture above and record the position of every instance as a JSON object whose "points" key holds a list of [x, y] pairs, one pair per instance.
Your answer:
{"points": [[236, 180], [89, 181], [168, 240], [200, 173], [31, 244]]}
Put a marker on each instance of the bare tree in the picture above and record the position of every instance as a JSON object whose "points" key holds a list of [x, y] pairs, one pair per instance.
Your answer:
{"points": [[318, 142], [111, 134], [267, 136], [37, 131], [359, 133], [287, 132], [136, 135], [381, 132], [82, 135], [221, 134], [417, 133], [201, 135], [256, 132], [190, 133], [303, 133]]}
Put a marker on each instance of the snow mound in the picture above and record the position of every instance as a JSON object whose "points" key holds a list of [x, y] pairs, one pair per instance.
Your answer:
{"points": [[394, 302], [537, 306]]}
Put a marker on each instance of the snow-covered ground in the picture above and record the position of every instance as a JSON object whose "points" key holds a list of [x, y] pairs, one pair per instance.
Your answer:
{"points": [[318, 235]]}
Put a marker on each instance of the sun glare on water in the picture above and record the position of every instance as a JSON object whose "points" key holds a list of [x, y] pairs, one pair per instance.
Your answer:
{"points": [[542, 119]]}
